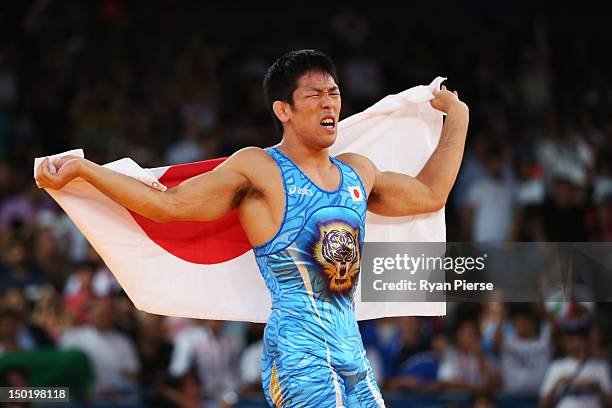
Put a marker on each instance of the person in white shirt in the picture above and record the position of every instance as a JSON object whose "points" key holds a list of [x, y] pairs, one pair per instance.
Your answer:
{"points": [[111, 353], [524, 349], [578, 380], [205, 347], [465, 367], [490, 208]]}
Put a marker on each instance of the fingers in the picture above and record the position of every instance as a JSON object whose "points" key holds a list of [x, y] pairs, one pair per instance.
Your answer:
{"points": [[43, 169], [44, 177], [60, 161], [443, 89], [41, 172]]}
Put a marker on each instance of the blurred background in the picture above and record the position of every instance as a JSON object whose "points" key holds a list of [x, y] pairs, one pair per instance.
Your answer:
{"points": [[165, 83]]}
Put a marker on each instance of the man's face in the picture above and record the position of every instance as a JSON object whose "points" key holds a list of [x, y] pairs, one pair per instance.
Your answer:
{"points": [[576, 345], [316, 109], [101, 316], [524, 326], [468, 338]]}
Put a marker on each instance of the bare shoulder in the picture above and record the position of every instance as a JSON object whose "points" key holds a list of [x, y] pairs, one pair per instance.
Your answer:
{"points": [[248, 161], [355, 160], [257, 167], [362, 165], [250, 154]]}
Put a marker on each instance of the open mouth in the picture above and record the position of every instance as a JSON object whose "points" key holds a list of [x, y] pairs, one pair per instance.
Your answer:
{"points": [[328, 123]]}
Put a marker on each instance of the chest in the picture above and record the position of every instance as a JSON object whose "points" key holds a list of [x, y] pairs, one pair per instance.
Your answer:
{"points": [[290, 197]]}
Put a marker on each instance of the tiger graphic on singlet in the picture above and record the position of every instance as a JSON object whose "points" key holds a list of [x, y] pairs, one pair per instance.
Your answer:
{"points": [[313, 354]]}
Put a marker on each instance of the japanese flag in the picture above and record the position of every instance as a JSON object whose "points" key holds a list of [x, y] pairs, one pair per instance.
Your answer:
{"points": [[356, 193], [207, 269]]}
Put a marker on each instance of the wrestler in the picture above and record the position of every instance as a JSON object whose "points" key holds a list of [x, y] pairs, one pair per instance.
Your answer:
{"points": [[304, 213]]}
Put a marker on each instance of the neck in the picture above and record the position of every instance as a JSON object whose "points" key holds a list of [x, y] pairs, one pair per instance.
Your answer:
{"points": [[581, 356], [303, 154]]}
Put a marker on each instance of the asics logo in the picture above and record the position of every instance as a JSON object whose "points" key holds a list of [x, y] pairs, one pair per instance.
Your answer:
{"points": [[301, 191]]}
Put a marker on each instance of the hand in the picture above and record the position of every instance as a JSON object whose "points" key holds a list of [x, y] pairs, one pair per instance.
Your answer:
{"points": [[68, 167], [587, 385], [446, 101], [560, 384]]}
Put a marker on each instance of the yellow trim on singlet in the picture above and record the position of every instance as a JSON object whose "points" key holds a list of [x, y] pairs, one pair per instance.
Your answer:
{"points": [[275, 388]]}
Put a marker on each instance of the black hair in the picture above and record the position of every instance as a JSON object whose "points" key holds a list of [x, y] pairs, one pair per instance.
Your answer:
{"points": [[281, 78], [522, 310], [577, 327]]}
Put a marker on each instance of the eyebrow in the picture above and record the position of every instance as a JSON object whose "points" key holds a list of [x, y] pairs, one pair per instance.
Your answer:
{"points": [[319, 90]]}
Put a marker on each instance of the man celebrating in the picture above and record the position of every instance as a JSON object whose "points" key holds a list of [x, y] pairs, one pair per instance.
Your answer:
{"points": [[304, 213]]}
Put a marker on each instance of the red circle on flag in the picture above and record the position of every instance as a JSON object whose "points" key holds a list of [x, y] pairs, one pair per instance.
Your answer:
{"points": [[356, 192], [198, 242]]}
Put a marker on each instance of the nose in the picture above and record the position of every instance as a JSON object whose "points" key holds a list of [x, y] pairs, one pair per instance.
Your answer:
{"points": [[327, 102]]}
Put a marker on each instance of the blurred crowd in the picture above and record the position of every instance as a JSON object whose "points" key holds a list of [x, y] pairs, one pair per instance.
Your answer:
{"points": [[165, 84]]}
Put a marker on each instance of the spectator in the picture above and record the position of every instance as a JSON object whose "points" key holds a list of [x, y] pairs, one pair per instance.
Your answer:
{"points": [[49, 314], [21, 271], [465, 367], [420, 372], [154, 352], [112, 354], [14, 377], [409, 339], [530, 188], [186, 392], [525, 350], [205, 346], [13, 335], [250, 362], [491, 205], [577, 380], [564, 213], [564, 155], [28, 331], [79, 293], [23, 207]]}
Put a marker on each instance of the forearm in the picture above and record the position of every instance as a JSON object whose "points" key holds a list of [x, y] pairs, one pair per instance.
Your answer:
{"points": [[498, 336], [548, 400], [441, 169], [396, 194], [124, 190]]}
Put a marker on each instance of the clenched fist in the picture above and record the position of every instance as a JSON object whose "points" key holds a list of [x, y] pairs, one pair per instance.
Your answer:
{"points": [[447, 101], [68, 168]]}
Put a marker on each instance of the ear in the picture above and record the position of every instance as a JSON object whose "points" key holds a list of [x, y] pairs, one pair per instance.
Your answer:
{"points": [[280, 110]]}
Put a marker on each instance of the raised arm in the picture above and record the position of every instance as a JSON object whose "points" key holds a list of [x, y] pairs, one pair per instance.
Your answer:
{"points": [[394, 194], [202, 198]]}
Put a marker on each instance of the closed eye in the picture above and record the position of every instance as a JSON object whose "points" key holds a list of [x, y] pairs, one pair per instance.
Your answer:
{"points": [[320, 94]]}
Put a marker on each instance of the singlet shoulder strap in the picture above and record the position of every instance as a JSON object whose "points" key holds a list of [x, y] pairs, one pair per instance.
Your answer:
{"points": [[351, 178]]}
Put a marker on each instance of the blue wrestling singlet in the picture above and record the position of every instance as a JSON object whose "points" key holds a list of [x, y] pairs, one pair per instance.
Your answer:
{"points": [[313, 354]]}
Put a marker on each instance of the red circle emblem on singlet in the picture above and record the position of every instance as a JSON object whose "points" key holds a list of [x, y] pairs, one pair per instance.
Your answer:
{"points": [[356, 192]]}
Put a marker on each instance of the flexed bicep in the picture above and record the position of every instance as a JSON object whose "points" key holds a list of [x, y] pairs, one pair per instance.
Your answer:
{"points": [[206, 197], [395, 195]]}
